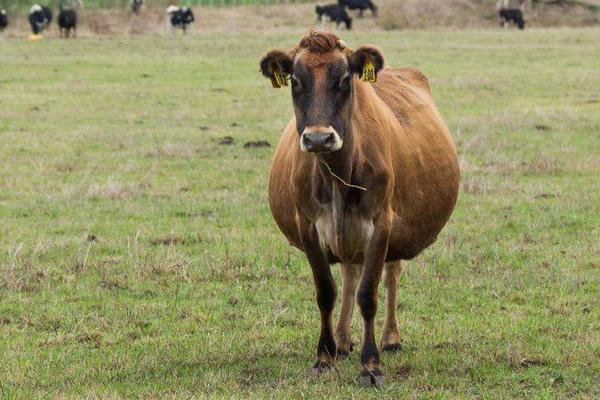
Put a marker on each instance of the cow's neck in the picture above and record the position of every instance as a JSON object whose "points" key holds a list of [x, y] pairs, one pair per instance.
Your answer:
{"points": [[336, 168], [336, 172]]}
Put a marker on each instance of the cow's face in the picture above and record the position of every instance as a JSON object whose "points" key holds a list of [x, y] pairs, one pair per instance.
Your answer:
{"points": [[187, 15], [322, 88]]}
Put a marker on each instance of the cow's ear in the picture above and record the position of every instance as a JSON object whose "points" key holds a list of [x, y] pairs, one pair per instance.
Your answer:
{"points": [[277, 66], [366, 62]]}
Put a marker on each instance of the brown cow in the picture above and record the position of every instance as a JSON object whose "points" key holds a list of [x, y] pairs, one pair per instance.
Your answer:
{"points": [[365, 175]]}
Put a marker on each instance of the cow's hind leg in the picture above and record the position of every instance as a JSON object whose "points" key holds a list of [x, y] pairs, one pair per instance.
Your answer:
{"points": [[390, 336], [343, 340]]}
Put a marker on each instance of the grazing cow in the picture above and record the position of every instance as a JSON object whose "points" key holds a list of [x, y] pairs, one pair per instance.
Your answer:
{"points": [[511, 11], [508, 15], [136, 6], [3, 20], [360, 5], [335, 13], [179, 17], [365, 174], [67, 20], [40, 18]]}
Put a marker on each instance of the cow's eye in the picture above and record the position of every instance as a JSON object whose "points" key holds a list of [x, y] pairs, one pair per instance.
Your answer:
{"points": [[345, 81]]}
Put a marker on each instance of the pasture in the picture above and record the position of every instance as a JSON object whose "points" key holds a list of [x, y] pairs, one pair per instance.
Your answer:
{"points": [[138, 256]]}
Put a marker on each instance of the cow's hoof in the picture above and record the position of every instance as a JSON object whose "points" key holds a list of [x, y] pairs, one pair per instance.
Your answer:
{"points": [[320, 368], [345, 352], [392, 347], [371, 378]]}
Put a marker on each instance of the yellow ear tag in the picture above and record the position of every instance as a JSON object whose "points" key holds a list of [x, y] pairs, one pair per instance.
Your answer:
{"points": [[279, 79], [368, 73]]}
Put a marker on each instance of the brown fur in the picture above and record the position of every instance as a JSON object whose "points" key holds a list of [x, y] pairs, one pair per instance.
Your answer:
{"points": [[398, 148], [399, 131]]}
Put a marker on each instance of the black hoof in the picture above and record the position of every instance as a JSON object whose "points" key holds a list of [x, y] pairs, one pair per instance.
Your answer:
{"points": [[392, 347], [320, 368], [372, 378]]}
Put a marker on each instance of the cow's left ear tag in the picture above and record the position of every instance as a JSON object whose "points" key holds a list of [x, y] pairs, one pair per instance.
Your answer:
{"points": [[279, 79], [368, 73]]}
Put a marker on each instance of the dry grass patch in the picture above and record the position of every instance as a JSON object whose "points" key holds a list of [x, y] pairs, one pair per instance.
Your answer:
{"points": [[475, 185], [118, 190], [183, 150]]}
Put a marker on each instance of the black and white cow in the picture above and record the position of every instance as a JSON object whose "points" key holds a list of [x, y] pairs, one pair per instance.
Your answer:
{"points": [[360, 5], [3, 20], [511, 11], [508, 15], [136, 6], [67, 21], [335, 13], [179, 17], [39, 18]]}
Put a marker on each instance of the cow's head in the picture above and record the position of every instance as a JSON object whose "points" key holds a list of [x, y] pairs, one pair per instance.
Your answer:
{"points": [[187, 15], [321, 71]]}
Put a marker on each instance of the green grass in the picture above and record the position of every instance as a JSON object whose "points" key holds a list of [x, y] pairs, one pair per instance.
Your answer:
{"points": [[138, 257]]}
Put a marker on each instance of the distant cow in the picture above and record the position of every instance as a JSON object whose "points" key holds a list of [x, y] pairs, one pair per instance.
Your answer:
{"points": [[67, 21], [335, 13], [39, 18], [3, 20], [136, 6], [360, 5], [179, 17], [365, 174], [508, 15], [511, 11]]}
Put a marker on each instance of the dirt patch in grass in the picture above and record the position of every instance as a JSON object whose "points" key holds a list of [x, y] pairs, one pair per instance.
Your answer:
{"points": [[256, 144], [174, 240]]}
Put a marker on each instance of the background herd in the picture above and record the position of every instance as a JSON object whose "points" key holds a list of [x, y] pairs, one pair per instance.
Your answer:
{"points": [[40, 16]]}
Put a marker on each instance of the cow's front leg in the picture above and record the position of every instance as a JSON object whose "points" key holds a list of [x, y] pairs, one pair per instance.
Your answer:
{"points": [[375, 253], [326, 294]]}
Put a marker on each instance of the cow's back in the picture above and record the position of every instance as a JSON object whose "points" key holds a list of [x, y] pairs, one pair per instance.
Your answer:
{"points": [[426, 163]]}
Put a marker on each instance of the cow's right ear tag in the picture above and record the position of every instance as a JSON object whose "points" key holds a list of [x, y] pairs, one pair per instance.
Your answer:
{"points": [[279, 79], [368, 73]]}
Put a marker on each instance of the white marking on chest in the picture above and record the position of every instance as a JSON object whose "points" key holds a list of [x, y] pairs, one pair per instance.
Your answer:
{"points": [[356, 232]]}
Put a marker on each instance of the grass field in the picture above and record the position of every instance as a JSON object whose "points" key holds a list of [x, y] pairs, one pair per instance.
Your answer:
{"points": [[138, 257]]}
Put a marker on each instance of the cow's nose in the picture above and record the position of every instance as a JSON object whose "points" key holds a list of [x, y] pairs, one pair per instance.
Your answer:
{"points": [[319, 142]]}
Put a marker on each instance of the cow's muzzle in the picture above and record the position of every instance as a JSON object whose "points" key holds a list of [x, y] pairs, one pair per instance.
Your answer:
{"points": [[322, 139]]}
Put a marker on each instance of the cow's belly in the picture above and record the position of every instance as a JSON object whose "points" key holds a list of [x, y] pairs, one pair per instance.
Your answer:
{"points": [[348, 242]]}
